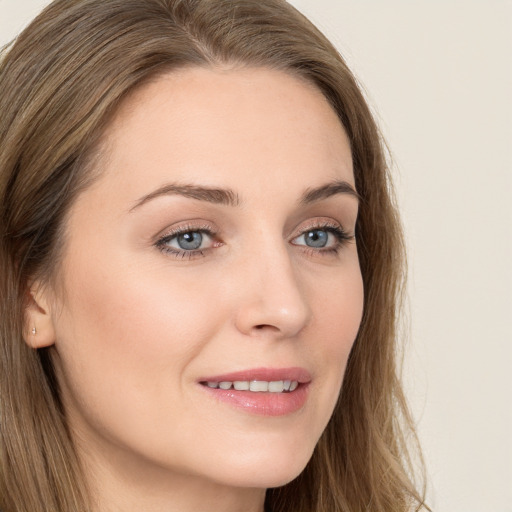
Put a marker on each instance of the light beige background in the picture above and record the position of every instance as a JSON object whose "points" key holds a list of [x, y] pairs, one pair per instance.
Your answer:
{"points": [[439, 74]]}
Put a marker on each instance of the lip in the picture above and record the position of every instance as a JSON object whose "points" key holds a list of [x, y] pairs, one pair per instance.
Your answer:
{"points": [[263, 403], [301, 375]]}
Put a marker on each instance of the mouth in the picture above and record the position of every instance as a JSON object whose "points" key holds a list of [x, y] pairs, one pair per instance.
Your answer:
{"points": [[263, 391], [255, 386]]}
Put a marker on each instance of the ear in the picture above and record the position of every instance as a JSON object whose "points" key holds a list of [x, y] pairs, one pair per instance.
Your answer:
{"points": [[39, 329]]}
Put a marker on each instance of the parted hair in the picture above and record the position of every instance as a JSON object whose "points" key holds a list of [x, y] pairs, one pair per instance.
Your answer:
{"points": [[61, 82]]}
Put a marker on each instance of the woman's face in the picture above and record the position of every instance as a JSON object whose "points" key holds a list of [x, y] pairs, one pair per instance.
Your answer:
{"points": [[216, 248]]}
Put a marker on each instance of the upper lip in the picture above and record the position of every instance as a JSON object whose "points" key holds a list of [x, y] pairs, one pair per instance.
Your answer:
{"points": [[298, 374]]}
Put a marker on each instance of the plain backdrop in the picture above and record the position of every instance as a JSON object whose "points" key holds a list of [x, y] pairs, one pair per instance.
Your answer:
{"points": [[438, 75]]}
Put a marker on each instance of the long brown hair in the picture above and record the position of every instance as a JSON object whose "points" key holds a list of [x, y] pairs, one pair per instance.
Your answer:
{"points": [[60, 82]]}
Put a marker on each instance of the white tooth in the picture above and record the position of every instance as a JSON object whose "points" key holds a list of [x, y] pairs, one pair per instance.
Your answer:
{"points": [[241, 385], [212, 384], [276, 386], [258, 385], [225, 385], [286, 385], [293, 385]]}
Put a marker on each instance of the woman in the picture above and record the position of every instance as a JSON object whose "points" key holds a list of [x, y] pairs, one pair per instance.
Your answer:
{"points": [[199, 250]]}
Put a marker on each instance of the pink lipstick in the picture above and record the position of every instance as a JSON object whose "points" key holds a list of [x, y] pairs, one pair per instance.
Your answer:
{"points": [[264, 391]]}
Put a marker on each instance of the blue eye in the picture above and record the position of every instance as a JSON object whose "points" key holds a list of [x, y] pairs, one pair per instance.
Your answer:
{"points": [[323, 239], [190, 241], [317, 238], [186, 243]]}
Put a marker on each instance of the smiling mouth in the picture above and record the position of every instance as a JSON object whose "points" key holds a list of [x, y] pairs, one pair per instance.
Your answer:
{"points": [[261, 391], [255, 386]]}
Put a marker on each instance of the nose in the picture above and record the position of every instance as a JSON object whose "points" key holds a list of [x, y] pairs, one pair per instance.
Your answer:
{"points": [[272, 299]]}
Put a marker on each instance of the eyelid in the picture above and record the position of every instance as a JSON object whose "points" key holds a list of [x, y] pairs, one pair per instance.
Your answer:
{"points": [[334, 228], [166, 241], [320, 223], [185, 227]]}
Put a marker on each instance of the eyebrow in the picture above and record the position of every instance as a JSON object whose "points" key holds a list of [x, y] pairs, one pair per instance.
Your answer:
{"points": [[228, 197], [330, 189], [211, 195]]}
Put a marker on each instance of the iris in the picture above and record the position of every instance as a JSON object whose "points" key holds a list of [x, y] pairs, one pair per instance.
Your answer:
{"points": [[190, 241], [316, 238]]}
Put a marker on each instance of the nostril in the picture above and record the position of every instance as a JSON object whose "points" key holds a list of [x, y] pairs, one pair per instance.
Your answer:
{"points": [[266, 326]]}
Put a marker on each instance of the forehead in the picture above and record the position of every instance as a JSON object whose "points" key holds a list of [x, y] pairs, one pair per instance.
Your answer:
{"points": [[224, 126]]}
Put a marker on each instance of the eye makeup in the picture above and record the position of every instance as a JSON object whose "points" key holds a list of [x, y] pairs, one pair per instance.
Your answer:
{"points": [[192, 241], [174, 242], [323, 239]]}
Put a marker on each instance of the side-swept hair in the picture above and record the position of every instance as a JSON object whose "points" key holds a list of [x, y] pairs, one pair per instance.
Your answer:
{"points": [[60, 83]]}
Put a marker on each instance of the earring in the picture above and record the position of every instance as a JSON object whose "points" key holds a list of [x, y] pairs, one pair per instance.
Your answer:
{"points": [[34, 331]]}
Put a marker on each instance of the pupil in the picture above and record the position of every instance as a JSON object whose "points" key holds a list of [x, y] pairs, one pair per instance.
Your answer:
{"points": [[316, 238], [190, 241]]}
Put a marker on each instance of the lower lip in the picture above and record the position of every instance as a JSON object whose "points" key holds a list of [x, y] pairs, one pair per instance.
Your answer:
{"points": [[264, 404]]}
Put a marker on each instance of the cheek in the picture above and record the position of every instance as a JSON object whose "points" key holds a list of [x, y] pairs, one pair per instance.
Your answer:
{"points": [[338, 311], [337, 304], [132, 334]]}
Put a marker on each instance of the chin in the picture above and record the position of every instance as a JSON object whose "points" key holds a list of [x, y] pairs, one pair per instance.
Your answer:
{"points": [[263, 478], [265, 468]]}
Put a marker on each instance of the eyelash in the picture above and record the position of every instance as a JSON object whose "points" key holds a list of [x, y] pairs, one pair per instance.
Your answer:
{"points": [[341, 236], [182, 230], [337, 231]]}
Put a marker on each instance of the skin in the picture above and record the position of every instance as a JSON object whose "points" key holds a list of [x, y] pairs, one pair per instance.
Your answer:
{"points": [[133, 327]]}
